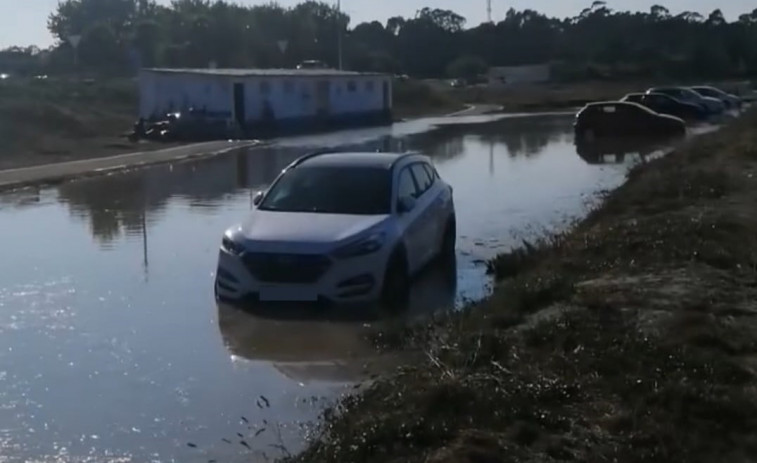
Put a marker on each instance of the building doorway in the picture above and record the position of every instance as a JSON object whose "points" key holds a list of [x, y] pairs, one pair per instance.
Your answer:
{"points": [[386, 96], [240, 114], [323, 98]]}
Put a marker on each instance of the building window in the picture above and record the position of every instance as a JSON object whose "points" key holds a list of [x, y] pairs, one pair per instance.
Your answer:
{"points": [[265, 87], [351, 86], [288, 86], [370, 86]]}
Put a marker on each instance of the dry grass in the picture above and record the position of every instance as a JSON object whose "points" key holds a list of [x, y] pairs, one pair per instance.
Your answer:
{"points": [[414, 98], [549, 96], [53, 120], [633, 338]]}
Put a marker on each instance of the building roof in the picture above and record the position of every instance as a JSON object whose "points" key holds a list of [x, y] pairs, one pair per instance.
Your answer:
{"points": [[262, 72], [340, 159]]}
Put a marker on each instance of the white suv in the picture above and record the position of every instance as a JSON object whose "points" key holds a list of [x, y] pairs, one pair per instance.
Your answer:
{"points": [[339, 227]]}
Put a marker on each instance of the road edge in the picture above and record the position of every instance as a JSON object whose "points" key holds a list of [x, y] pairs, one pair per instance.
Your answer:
{"points": [[50, 174]]}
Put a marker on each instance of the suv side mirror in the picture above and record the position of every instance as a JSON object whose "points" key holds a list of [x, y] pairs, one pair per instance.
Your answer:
{"points": [[405, 205], [257, 198]]}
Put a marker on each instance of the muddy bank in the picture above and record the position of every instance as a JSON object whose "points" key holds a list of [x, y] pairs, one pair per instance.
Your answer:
{"points": [[631, 338]]}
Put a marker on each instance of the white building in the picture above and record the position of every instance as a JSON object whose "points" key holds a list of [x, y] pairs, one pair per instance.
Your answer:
{"points": [[290, 97], [511, 75]]}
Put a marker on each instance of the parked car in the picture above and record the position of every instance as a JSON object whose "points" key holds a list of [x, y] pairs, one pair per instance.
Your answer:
{"points": [[623, 118], [666, 104], [312, 64], [731, 101], [342, 228], [712, 105]]}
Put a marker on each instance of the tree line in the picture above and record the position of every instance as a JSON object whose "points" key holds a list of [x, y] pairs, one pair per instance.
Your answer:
{"points": [[117, 37]]}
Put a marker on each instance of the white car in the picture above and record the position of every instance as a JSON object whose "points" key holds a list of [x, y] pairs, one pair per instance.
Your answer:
{"points": [[339, 228]]}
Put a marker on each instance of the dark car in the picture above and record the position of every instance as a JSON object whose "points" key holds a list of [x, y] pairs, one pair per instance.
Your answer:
{"points": [[666, 104], [712, 105], [731, 101], [312, 64], [623, 119]]}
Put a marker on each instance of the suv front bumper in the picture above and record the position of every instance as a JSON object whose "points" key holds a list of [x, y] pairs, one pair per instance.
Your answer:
{"points": [[358, 279]]}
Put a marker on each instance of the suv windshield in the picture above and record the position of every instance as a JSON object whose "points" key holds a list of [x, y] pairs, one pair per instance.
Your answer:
{"points": [[332, 190]]}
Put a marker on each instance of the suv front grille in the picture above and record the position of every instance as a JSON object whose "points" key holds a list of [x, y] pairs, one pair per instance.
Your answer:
{"points": [[286, 268]]}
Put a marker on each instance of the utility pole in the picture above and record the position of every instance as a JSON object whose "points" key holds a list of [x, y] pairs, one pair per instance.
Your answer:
{"points": [[339, 31], [489, 10]]}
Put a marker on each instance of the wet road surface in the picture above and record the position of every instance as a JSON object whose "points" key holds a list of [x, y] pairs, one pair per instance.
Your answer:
{"points": [[113, 349]]}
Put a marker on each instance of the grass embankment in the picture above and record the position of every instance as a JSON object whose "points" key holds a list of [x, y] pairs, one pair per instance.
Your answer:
{"points": [[415, 98], [631, 338], [53, 120], [548, 96]]}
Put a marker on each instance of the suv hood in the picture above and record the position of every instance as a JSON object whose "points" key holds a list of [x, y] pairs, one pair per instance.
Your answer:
{"points": [[282, 228]]}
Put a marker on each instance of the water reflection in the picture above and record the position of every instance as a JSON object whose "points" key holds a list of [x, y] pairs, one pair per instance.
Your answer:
{"points": [[621, 151], [310, 344], [127, 204]]}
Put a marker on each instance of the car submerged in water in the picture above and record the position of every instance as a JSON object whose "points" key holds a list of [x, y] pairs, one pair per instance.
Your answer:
{"points": [[624, 119], [339, 228]]}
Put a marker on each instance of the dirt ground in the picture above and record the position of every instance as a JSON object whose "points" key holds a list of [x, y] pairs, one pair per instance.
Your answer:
{"points": [[631, 338]]}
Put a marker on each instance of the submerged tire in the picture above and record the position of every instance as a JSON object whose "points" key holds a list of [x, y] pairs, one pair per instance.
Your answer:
{"points": [[449, 241], [396, 288]]}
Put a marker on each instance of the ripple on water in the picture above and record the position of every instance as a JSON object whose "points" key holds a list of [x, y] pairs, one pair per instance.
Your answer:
{"points": [[47, 305]]}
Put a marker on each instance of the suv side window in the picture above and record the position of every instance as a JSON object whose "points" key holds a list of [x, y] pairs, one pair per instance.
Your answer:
{"points": [[658, 100], [406, 187], [431, 172], [425, 181]]}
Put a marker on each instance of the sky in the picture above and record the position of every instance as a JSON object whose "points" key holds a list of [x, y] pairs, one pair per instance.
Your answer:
{"points": [[24, 22]]}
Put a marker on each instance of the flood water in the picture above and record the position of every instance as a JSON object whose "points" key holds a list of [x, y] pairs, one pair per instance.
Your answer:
{"points": [[113, 349]]}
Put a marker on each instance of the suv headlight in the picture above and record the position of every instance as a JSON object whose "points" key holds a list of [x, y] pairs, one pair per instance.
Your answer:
{"points": [[362, 247], [232, 247]]}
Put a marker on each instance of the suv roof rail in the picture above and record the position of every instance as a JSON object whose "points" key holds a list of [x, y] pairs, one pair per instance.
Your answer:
{"points": [[403, 156], [311, 155]]}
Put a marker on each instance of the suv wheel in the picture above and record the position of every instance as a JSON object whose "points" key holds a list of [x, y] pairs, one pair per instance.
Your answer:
{"points": [[396, 288]]}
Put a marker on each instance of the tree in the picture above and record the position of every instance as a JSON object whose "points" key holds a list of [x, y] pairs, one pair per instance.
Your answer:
{"points": [[467, 67], [446, 20], [99, 48], [75, 16], [190, 33]]}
